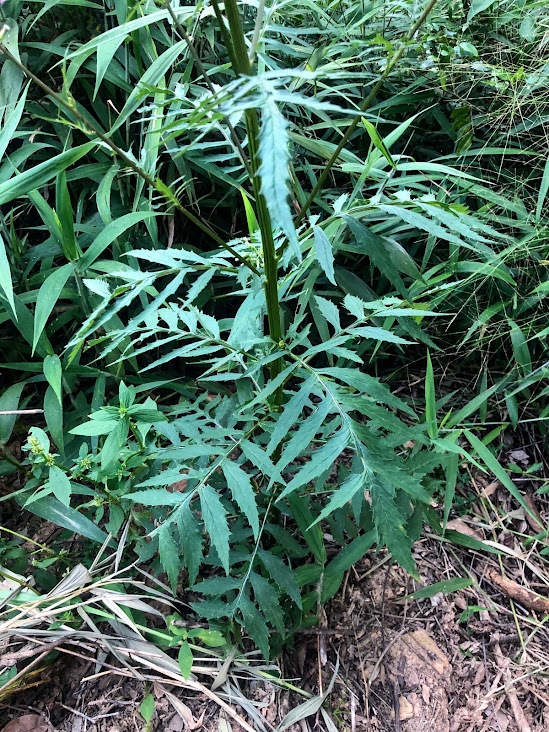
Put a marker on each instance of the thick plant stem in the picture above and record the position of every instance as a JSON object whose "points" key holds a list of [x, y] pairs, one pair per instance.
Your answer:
{"points": [[363, 107], [242, 65], [269, 251], [157, 184]]}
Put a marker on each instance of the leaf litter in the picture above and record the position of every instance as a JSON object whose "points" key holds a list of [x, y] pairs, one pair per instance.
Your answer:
{"points": [[389, 654]]}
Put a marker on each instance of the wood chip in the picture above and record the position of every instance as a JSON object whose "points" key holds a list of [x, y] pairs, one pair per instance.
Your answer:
{"points": [[406, 709]]}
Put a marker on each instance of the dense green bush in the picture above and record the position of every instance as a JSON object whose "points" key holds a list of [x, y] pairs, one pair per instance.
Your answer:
{"points": [[225, 229]]}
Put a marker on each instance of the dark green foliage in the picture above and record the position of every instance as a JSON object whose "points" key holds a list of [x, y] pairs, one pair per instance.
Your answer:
{"points": [[214, 355]]}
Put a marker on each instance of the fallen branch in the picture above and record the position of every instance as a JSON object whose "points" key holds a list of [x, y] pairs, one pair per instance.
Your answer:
{"points": [[524, 596], [22, 411]]}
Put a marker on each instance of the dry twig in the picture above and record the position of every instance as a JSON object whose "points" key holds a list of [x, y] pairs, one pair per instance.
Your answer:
{"points": [[522, 595]]}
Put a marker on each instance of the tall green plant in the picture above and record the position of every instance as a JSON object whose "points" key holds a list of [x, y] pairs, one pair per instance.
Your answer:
{"points": [[222, 450]]}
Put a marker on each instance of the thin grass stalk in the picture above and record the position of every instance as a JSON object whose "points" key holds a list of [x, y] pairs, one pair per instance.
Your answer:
{"points": [[365, 104], [257, 30], [242, 65], [201, 70]]}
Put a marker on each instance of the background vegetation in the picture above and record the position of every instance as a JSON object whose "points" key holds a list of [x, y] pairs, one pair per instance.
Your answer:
{"points": [[230, 234]]}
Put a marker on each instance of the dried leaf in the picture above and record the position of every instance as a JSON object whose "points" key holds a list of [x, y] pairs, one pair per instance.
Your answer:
{"points": [[29, 723]]}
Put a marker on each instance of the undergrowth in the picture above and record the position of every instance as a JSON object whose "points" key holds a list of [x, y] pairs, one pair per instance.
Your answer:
{"points": [[228, 230]]}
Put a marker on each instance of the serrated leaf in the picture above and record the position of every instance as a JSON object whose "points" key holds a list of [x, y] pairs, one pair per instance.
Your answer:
{"points": [[281, 574], [215, 522], [271, 386], [217, 585], [390, 524], [378, 334], [143, 414], [274, 171], [290, 414], [169, 555], [241, 488], [259, 458], [321, 460], [266, 598], [368, 384], [302, 437], [190, 536], [329, 311], [156, 497], [306, 522], [213, 609], [374, 246], [324, 253], [344, 494], [255, 625], [355, 306]]}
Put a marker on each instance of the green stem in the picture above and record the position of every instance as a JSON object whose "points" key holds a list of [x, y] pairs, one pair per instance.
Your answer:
{"points": [[12, 460], [157, 184], [225, 33], [137, 436], [257, 30], [242, 65], [363, 107]]}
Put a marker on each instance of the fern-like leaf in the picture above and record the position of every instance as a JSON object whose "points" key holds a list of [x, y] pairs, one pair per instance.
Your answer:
{"points": [[274, 171]]}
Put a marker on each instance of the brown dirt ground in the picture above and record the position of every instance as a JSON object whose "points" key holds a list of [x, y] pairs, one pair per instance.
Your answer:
{"points": [[472, 660]]}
